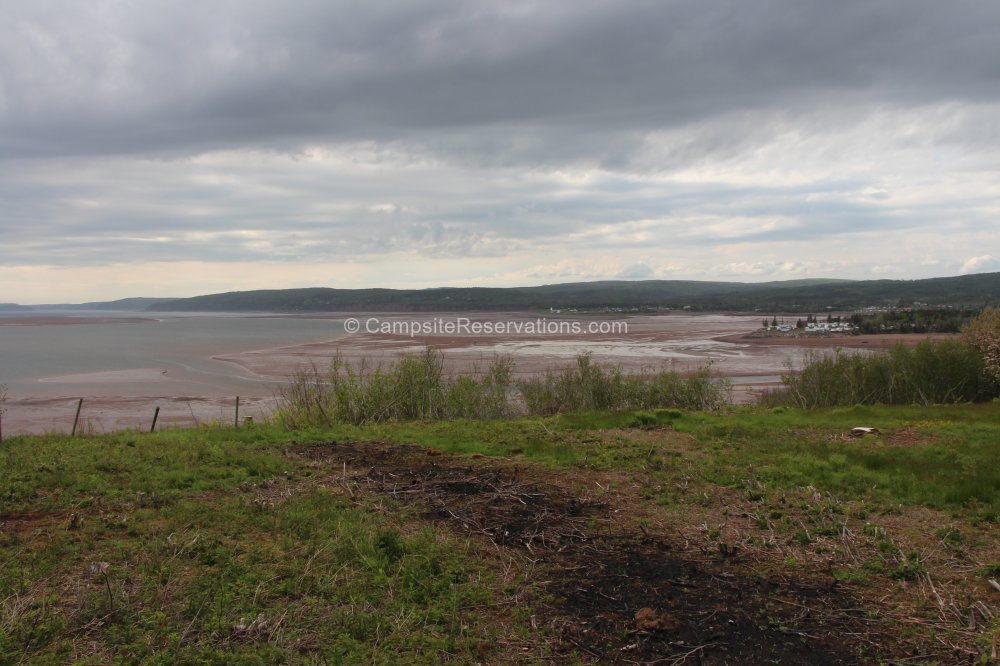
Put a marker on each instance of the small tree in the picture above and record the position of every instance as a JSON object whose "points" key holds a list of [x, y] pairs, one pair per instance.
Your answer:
{"points": [[983, 333]]}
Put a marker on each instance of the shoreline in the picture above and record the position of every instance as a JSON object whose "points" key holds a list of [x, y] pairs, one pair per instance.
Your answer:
{"points": [[190, 396], [109, 414], [69, 320]]}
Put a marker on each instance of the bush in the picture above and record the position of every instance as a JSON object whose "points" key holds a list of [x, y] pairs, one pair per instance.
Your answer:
{"points": [[983, 334], [592, 387], [416, 388], [933, 372], [483, 395], [412, 388]]}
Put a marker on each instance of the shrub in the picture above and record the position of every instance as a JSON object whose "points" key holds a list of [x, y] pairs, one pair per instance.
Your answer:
{"points": [[484, 395], [933, 372], [588, 386], [415, 388], [983, 334]]}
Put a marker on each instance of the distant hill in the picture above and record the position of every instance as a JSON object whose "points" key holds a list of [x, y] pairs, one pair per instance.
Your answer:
{"points": [[14, 307], [137, 304], [786, 296]]}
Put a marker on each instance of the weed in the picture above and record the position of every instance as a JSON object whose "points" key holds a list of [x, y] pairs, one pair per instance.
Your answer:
{"points": [[950, 535], [909, 569]]}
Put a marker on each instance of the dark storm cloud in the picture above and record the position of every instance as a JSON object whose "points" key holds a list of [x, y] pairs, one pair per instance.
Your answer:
{"points": [[571, 78], [496, 142]]}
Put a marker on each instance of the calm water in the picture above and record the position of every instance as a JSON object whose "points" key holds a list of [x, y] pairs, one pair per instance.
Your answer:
{"points": [[45, 360]]}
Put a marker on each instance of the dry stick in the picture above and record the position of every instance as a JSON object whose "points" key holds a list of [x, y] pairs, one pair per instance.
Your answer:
{"points": [[937, 596], [76, 419], [156, 415], [111, 599]]}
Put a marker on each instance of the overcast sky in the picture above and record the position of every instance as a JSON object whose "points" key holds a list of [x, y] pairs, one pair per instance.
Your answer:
{"points": [[172, 148]]}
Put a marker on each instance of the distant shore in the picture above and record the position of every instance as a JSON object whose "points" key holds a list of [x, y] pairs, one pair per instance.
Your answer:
{"points": [[68, 320], [869, 341]]}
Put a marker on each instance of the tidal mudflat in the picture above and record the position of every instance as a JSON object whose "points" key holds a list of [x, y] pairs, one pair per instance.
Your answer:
{"points": [[193, 367]]}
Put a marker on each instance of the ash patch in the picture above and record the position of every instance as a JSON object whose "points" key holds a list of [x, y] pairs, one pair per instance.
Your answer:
{"points": [[623, 595]]}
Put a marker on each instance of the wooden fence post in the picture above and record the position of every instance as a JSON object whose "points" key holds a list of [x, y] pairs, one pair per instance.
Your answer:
{"points": [[76, 419], [236, 419], [156, 414]]}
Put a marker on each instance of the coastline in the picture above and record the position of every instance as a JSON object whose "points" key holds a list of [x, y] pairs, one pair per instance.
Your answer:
{"points": [[68, 320], [192, 395]]}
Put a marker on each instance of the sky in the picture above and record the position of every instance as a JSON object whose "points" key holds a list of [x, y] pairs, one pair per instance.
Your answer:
{"points": [[173, 149]]}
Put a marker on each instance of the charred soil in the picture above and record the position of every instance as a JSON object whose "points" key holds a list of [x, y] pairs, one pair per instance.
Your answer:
{"points": [[606, 587]]}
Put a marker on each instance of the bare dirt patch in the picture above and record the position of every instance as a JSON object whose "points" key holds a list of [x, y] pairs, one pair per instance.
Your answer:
{"points": [[609, 588], [22, 522], [907, 436]]}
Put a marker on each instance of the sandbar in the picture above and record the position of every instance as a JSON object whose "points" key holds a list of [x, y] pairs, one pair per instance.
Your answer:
{"points": [[109, 376]]}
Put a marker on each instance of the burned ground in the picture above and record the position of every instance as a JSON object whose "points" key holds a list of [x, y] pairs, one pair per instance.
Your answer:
{"points": [[607, 587]]}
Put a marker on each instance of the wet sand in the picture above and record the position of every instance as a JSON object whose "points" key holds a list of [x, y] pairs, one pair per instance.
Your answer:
{"points": [[652, 342], [676, 341], [126, 399], [141, 375], [119, 413]]}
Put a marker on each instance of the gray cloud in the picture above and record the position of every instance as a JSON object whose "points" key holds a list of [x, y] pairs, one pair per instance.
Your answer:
{"points": [[177, 78], [503, 141]]}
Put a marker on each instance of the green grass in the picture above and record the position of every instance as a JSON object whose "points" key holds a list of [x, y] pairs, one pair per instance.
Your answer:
{"points": [[54, 471], [949, 465], [216, 546], [215, 551], [186, 584]]}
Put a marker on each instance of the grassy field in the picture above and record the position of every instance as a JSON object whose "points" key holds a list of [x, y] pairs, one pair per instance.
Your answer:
{"points": [[743, 536]]}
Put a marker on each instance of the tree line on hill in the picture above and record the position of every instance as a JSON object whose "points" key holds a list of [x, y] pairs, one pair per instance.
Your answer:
{"points": [[967, 291]]}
